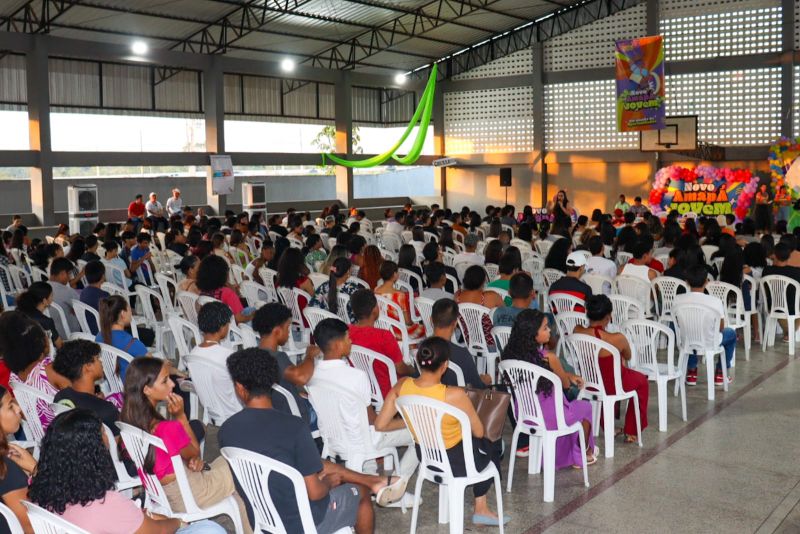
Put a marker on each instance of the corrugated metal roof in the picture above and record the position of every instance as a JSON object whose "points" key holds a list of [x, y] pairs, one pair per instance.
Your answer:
{"points": [[303, 28]]}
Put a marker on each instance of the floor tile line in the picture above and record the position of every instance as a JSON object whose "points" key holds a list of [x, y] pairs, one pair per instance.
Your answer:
{"points": [[576, 503]]}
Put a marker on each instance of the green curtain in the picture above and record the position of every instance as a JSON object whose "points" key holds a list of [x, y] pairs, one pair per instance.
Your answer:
{"points": [[424, 111]]}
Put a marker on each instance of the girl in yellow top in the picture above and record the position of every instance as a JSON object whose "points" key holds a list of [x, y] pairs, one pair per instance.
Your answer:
{"points": [[432, 356]]}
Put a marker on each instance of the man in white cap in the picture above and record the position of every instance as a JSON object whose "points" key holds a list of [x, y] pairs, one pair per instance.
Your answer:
{"points": [[155, 212], [175, 203], [571, 284]]}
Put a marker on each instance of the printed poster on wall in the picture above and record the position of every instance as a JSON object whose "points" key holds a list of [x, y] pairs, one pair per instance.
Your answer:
{"points": [[640, 84], [221, 175]]}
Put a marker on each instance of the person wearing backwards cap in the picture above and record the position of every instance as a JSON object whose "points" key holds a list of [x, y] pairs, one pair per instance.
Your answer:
{"points": [[155, 212], [571, 284]]}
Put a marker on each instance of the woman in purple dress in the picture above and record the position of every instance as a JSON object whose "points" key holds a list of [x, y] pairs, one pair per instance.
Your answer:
{"points": [[527, 342]]}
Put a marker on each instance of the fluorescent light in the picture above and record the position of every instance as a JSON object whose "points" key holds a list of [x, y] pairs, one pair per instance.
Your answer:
{"points": [[400, 78], [287, 65], [139, 48]]}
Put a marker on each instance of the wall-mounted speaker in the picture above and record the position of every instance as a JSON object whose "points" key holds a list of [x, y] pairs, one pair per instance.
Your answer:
{"points": [[505, 176]]}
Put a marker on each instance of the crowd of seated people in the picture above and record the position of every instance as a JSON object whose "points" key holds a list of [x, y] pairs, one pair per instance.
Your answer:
{"points": [[346, 264]]}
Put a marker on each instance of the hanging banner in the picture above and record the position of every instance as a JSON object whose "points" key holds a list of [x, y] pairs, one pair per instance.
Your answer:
{"points": [[422, 115], [221, 175], [640, 84]]}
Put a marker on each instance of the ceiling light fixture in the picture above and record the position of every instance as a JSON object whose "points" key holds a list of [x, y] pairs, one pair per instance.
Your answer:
{"points": [[287, 65], [139, 48]]}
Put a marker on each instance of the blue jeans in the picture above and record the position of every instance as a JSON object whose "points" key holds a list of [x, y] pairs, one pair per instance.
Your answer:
{"points": [[728, 343]]}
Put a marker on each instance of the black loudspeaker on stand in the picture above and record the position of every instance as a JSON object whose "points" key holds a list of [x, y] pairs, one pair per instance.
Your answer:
{"points": [[505, 179]]}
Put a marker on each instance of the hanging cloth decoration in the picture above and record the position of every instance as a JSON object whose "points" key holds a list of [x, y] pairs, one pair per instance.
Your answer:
{"points": [[422, 115]]}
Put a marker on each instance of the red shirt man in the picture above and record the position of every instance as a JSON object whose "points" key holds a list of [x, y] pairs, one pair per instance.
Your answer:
{"points": [[363, 333], [136, 208]]}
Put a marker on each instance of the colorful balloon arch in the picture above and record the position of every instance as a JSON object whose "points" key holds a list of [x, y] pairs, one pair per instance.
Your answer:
{"points": [[703, 190]]}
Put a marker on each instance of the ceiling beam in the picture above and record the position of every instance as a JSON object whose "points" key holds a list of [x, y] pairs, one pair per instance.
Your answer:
{"points": [[35, 16], [547, 27], [395, 31], [337, 20]]}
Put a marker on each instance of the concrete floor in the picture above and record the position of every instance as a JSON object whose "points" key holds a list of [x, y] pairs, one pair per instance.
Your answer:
{"points": [[730, 468]]}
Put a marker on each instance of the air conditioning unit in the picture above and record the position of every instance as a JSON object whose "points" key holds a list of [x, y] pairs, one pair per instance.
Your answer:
{"points": [[82, 200], [82, 224], [254, 197]]}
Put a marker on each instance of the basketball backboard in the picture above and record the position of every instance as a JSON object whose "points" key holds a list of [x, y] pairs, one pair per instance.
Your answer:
{"points": [[678, 134]]}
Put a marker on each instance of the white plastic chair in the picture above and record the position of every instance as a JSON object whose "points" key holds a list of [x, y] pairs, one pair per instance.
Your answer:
{"points": [[14, 526], [253, 292], [354, 445], [366, 359], [187, 336], [524, 378], [60, 317], [635, 288], [664, 290], [146, 296], [471, 324], [500, 334], [542, 246], [165, 284], [253, 472], [315, 315], [423, 417], [460, 381], [735, 316], [774, 292], [425, 309], [203, 372], [44, 522], [125, 483], [600, 284], [394, 326], [188, 304], [698, 332], [586, 350], [29, 398], [623, 309], [565, 324], [138, 443], [644, 337], [268, 277], [562, 303], [623, 258], [109, 356], [318, 279], [708, 251], [81, 310]]}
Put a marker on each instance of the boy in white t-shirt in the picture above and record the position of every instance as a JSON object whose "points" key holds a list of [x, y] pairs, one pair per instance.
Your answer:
{"points": [[214, 320], [697, 277]]}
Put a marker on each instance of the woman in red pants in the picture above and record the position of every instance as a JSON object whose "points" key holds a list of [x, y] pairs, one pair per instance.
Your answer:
{"points": [[598, 311]]}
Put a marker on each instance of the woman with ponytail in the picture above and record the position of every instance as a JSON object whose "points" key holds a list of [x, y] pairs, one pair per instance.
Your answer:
{"points": [[527, 343], [326, 295], [432, 358]]}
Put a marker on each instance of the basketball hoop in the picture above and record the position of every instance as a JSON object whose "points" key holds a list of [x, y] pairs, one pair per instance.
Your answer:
{"points": [[679, 134]]}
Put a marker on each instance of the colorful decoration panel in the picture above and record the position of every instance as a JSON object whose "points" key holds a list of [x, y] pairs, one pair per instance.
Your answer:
{"points": [[640, 84], [703, 190]]}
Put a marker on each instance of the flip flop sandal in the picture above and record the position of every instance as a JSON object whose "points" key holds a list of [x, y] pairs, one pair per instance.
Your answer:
{"points": [[391, 492]]}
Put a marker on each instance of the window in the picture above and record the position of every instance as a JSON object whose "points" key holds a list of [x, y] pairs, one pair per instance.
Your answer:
{"points": [[126, 133], [257, 136], [378, 140], [14, 133], [393, 181]]}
